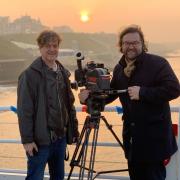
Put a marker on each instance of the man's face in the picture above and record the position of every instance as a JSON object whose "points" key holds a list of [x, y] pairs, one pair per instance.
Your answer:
{"points": [[49, 51], [131, 45]]}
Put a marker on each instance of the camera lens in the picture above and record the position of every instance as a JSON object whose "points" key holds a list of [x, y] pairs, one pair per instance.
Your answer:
{"points": [[78, 54]]}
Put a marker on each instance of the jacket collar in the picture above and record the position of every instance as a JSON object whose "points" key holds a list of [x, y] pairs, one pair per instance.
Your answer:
{"points": [[38, 65], [138, 61]]}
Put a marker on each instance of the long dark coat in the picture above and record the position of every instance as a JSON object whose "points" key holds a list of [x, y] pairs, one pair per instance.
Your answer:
{"points": [[147, 126]]}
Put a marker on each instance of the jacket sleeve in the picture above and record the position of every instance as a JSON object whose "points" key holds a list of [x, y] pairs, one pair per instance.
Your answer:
{"points": [[73, 115], [166, 86], [25, 108], [76, 132], [71, 107]]}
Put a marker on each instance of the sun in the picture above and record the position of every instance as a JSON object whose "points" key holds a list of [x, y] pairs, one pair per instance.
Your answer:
{"points": [[84, 16]]}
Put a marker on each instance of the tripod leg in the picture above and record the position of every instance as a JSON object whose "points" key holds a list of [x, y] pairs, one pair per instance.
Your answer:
{"points": [[75, 162], [117, 139], [84, 154], [93, 149], [112, 131]]}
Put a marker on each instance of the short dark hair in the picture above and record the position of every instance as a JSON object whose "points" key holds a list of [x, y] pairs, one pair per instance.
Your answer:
{"points": [[46, 36], [132, 29]]}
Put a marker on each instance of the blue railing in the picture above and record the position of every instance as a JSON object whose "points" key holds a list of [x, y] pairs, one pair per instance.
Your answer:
{"points": [[117, 109]]}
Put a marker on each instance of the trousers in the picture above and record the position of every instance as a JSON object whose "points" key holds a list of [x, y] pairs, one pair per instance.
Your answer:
{"points": [[53, 155], [147, 171]]}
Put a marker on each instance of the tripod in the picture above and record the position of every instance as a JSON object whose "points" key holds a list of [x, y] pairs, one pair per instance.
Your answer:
{"points": [[79, 159]]}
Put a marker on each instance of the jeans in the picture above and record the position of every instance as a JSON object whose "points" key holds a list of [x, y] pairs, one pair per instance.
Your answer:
{"points": [[52, 154]]}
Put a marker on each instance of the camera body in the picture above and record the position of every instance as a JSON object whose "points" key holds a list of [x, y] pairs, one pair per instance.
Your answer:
{"points": [[94, 76]]}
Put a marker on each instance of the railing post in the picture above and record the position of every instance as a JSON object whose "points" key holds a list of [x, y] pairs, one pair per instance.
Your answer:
{"points": [[178, 142]]}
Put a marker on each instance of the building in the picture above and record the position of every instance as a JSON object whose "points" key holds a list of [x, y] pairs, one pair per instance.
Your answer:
{"points": [[24, 24], [4, 24], [63, 29]]}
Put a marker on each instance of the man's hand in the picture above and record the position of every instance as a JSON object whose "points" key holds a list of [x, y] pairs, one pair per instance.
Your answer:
{"points": [[134, 92], [83, 95], [29, 147], [75, 139]]}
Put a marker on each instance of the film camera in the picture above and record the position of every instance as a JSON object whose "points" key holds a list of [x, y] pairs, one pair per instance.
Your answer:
{"points": [[96, 78]]}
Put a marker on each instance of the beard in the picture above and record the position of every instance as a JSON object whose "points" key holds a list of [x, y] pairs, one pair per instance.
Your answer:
{"points": [[132, 54]]}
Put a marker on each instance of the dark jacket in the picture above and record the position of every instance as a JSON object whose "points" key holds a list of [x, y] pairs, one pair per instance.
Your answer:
{"points": [[147, 126], [33, 108]]}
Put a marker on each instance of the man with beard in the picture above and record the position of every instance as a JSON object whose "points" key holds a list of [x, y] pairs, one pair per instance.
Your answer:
{"points": [[47, 117], [147, 127]]}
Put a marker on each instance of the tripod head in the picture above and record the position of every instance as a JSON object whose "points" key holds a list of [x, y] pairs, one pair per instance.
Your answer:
{"points": [[95, 103], [97, 100]]}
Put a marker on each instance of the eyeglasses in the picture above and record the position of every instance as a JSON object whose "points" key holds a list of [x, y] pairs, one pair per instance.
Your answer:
{"points": [[133, 43]]}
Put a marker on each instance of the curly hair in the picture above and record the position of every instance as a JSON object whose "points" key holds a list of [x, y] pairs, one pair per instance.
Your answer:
{"points": [[132, 29], [46, 36]]}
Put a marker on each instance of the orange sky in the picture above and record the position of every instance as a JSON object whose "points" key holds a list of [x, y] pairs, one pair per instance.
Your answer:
{"points": [[159, 19]]}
